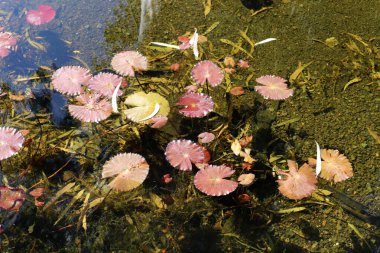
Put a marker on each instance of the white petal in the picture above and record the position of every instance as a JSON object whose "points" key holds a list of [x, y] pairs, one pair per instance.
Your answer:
{"points": [[318, 167], [155, 111], [194, 44], [114, 98], [265, 41], [236, 147]]}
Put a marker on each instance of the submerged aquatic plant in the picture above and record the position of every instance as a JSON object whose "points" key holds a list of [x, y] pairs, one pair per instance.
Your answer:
{"points": [[11, 142], [128, 62], [298, 183], [211, 180], [6, 41], [70, 79], [92, 108], [181, 153], [195, 105], [206, 137], [43, 15], [158, 121], [130, 170], [273, 87], [11, 199], [246, 179], [207, 71]]}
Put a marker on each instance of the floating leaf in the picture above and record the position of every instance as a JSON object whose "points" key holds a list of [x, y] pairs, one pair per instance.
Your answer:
{"points": [[145, 104]]}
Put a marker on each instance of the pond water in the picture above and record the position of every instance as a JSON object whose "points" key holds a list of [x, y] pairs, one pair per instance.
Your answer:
{"points": [[324, 53]]}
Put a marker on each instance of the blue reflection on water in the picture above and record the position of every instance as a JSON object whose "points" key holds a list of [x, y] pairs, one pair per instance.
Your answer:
{"points": [[77, 30]]}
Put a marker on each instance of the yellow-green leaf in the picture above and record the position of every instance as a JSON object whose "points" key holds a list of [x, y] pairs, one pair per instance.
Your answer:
{"points": [[207, 5], [298, 71], [236, 46], [352, 81]]}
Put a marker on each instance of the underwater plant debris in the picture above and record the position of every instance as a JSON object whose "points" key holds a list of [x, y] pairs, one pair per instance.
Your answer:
{"points": [[43, 15], [6, 41], [11, 199]]}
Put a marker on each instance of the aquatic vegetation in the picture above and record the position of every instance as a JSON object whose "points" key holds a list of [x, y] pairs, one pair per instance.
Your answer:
{"points": [[273, 87], [158, 121], [6, 41], [299, 182], [43, 15], [128, 62], [335, 166], [237, 91], [246, 179], [181, 153], [130, 170], [211, 180], [92, 108], [146, 106], [206, 137], [11, 142], [11, 199], [37, 193], [195, 105], [175, 67], [243, 64], [70, 79], [105, 84], [228, 128], [207, 71]]}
